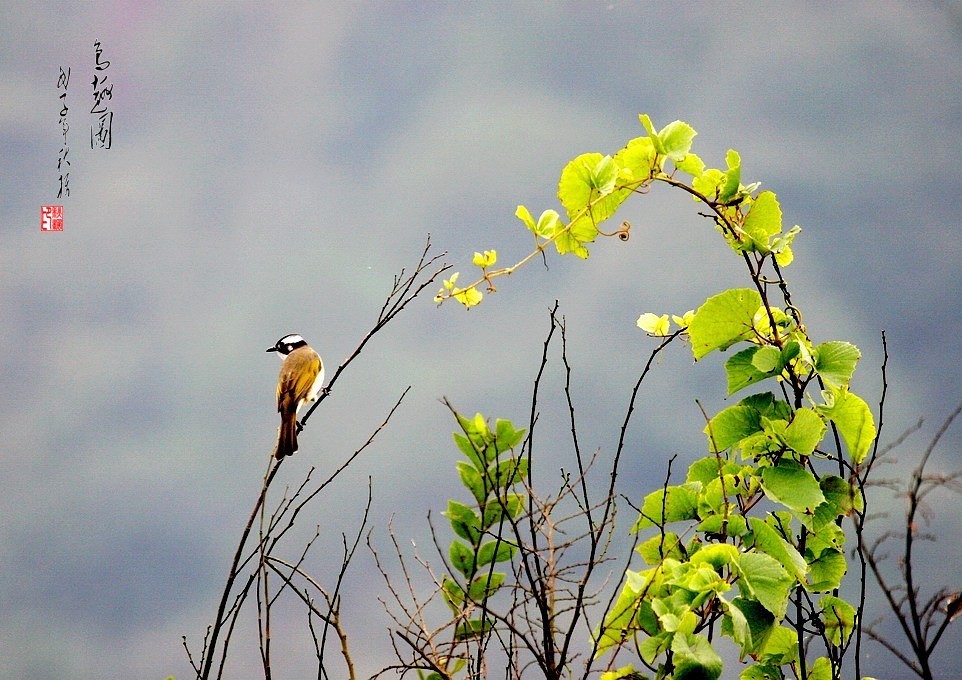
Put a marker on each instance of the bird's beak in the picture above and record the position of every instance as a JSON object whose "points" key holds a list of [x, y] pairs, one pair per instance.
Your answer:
{"points": [[271, 349]]}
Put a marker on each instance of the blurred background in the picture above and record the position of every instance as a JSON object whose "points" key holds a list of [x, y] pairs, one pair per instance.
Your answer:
{"points": [[271, 170]]}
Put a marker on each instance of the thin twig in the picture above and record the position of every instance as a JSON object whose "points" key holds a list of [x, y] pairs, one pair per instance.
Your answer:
{"points": [[405, 289]]}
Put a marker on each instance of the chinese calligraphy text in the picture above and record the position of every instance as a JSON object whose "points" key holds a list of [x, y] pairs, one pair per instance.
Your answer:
{"points": [[63, 163], [100, 128]]}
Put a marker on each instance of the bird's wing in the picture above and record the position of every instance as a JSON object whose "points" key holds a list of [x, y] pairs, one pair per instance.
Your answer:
{"points": [[298, 374]]}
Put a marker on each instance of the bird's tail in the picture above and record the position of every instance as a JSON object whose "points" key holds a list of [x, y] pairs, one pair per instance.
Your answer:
{"points": [[287, 438]]}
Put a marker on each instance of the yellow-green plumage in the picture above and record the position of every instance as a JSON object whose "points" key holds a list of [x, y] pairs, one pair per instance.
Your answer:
{"points": [[301, 378]]}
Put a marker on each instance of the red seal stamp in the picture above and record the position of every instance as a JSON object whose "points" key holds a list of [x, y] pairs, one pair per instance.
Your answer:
{"points": [[51, 218]]}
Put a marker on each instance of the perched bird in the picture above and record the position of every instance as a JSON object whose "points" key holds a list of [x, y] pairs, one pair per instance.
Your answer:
{"points": [[301, 378]]}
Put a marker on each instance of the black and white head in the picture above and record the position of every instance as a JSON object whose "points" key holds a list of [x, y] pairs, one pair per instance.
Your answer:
{"points": [[288, 344]]}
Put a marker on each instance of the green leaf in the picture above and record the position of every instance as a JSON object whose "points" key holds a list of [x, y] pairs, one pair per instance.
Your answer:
{"points": [[790, 351], [843, 497], [476, 427], [761, 672], [476, 440], [853, 419], [717, 555], [652, 134], [703, 584], [674, 614], [652, 647], [717, 496], [782, 246], [679, 503], [695, 658], [468, 449], [567, 243], [768, 541], [455, 665], [835, 362], [827, 571], [793, 486], [733, 177], [822, 669], [766, 405], [764, 220], [654, 324], [782, 647], [740, 370], [825, 515], [691, 164], [604, 176], [585, 228], [658, 547], [762, 578], [464, 520], [507, 436], [706, 469], [472, 479], [485, 585], [623, 673], [708, 183], [756, 446], [768, 360], [508, 506], [462, 558], [838, 617], [784, 324], [576, 185], [523, 214], [840, 499], [495, 550], [587, 191], [781, 521], [453, 593], [732, 525], [473, 628], [676, 138], [547, 225], [636, 159], [749, 624], [619, 620], [723, 320], [829, 535], [805, 432], [730, 426], [508, 472]]}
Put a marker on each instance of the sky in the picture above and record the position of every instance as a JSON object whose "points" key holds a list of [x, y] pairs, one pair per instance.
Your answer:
{"points": [[271, 170]]}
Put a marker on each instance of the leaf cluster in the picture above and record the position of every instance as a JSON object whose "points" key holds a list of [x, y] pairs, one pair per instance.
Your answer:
{"points": [[751, 543], [592, 186], [493, 474]]}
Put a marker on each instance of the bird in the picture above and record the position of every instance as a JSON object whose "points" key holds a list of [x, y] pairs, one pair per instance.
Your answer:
{"points": [[300, 380]]}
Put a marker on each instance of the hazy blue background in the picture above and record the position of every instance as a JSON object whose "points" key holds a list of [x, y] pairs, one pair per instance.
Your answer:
{"points": [[273, 169]]}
